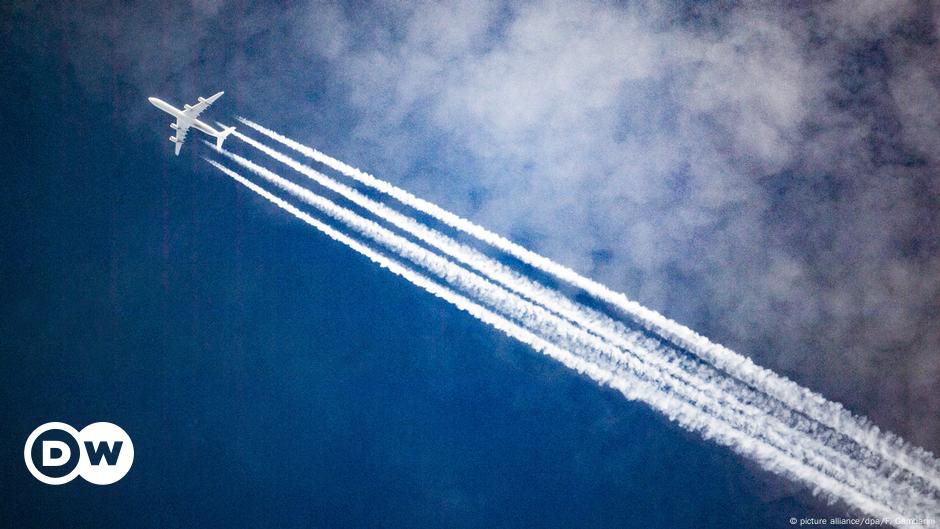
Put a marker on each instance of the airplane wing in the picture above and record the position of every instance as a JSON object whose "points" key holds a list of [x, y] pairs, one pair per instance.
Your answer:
{"points": [[193, 111], [181, 130]]}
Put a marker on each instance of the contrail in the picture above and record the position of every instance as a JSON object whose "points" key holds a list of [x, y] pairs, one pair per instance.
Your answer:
{"points": [[832, 414], [422, 281], [726, 395], [643, 385]]}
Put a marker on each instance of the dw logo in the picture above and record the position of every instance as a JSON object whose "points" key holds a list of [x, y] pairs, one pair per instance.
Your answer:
{"points": [[101, 453]]}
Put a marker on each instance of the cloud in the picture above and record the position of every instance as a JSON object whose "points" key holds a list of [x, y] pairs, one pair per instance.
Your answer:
{"points": [[765, 177]]}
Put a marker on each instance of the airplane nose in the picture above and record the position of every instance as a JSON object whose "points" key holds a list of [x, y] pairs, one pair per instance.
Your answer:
{"points": [[153, 100]]}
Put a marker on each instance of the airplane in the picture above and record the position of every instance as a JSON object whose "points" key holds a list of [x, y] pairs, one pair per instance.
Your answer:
{"points": [[188, 117]]}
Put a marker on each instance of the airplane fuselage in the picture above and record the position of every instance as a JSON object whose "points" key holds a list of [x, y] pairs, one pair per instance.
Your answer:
{"points": [[181, 117]]}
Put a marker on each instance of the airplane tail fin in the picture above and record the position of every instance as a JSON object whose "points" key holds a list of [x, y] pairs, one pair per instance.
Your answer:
{"points": [[222, 135]]}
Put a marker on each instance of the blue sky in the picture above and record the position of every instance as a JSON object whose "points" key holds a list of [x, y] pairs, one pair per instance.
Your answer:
{"points": [[767, 176]]}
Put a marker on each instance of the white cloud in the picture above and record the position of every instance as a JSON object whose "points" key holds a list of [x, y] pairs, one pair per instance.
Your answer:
{"points": [[733, 175]]}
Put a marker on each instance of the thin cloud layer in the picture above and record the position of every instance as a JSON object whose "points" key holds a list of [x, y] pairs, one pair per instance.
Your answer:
{"points": [[767, 176]]}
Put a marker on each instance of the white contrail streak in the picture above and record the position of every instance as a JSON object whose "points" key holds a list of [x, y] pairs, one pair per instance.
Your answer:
{"points": [[643, 384], [832, 414], [702, 381]]}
